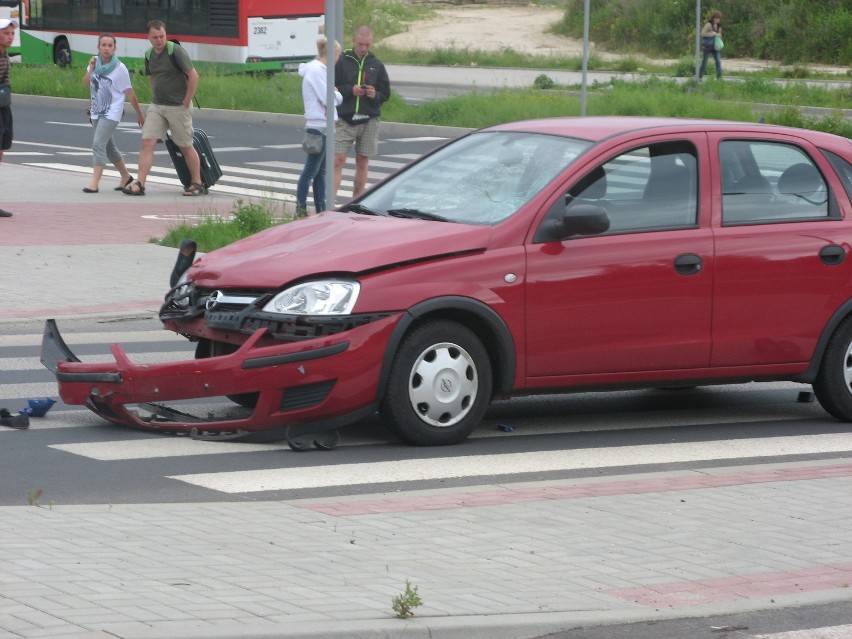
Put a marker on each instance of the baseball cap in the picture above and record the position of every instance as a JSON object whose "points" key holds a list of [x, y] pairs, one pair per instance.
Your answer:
{"points": [[5, 22]]}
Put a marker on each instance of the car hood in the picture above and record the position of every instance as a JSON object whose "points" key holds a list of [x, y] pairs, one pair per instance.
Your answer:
{"points": [[332, 242]]}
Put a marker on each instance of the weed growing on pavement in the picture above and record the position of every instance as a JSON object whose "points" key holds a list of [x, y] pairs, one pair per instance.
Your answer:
{"points": [[215, 231], [33, 497], [405, 603]]}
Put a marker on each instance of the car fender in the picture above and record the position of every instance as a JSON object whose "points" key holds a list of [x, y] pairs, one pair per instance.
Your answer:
{"points": [[809, 375], [502, 348]]}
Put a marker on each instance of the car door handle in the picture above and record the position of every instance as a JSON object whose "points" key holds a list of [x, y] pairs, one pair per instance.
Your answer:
{"points": [[688, 264], [832, 255]]}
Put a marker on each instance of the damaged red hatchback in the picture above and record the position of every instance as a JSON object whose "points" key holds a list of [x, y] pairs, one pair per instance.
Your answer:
{"points": [[532, 257]]}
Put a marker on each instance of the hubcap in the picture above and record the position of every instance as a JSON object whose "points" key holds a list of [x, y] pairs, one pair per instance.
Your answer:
{"points": [[847, 368], [443, 384]]}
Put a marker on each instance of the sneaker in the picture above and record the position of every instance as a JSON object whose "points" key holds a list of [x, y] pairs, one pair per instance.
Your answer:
{"points": [[5, 213]]}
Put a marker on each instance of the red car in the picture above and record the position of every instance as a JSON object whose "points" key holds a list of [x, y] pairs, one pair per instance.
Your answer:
{"points": [[532, 257]]}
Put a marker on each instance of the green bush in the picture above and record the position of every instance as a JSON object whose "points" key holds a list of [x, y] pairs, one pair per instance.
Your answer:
{"points": [[544, 81], [787, 30]]}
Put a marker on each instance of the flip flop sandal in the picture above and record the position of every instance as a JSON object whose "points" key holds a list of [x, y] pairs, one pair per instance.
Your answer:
{"points": [[125, 185], [14, 421], [140, 190], [194, 190]]}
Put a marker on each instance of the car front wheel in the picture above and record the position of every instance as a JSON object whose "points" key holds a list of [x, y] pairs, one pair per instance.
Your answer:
{"points": [[440, 385], [833, 385]]}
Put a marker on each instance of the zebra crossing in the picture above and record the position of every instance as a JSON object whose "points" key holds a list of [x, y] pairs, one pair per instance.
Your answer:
{"points": [[22, 376], [273, 175]]}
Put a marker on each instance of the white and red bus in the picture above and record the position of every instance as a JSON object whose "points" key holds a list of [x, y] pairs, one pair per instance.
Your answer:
{"points": [[228, 35]]}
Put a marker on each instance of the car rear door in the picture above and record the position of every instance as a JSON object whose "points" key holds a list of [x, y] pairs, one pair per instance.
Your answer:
{"points": [[782, 250]]}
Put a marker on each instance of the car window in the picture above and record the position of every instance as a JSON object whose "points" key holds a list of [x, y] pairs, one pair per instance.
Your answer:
{"points": [[769, 182], [482, 178], [649, 188], [843, 169]]}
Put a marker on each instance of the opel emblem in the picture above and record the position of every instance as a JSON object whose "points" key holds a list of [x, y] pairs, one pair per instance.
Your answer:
{"points": [[213, 300], [446, 385]]}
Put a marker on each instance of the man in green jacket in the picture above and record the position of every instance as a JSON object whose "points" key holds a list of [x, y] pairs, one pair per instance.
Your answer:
{"points": [[363, 82]]}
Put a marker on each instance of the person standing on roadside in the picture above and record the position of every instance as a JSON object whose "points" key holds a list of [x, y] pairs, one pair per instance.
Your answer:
{"points": [[364, 84], [709, 31], [314, 95], [173, 83], [109, 84], [7, 36]]}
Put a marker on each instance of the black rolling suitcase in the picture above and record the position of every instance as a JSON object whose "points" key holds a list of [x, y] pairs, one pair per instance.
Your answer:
{"points": [[210, 171]]}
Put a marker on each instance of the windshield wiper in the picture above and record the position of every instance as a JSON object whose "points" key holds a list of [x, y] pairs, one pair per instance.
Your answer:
{"points": [[417, 214], [360, 208]]}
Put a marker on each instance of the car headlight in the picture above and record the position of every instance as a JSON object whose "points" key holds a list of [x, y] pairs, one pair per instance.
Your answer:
{"points": [[321, 297], [180, 293]]}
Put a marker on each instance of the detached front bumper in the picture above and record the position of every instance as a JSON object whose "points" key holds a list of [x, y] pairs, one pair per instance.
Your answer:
{"points": [[302, 387]]}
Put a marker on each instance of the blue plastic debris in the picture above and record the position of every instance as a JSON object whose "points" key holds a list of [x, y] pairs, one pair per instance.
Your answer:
{"points": [[506, 428], [37, 407]]}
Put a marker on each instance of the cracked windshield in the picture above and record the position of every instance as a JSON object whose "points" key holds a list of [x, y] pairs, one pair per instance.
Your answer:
{"points": [[482, 179]]}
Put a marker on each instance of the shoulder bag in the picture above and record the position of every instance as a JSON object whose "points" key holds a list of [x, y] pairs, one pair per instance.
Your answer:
{"points": [[312, 143]]}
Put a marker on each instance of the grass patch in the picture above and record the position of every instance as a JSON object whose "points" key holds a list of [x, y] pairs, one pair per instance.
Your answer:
{"points": [[215, 231]]}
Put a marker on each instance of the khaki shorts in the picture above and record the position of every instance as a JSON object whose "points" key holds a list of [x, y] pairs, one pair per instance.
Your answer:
{"points": [[160, 119], [364, 136]]}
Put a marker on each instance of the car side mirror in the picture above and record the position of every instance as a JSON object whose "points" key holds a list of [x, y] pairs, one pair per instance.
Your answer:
{"points": [[582, 219]]}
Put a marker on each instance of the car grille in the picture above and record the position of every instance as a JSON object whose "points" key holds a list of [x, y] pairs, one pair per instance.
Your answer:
{"points": [[298, 397]]}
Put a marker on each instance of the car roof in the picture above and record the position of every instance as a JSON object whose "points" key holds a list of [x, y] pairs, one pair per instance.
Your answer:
{"points": [[596, 128]]}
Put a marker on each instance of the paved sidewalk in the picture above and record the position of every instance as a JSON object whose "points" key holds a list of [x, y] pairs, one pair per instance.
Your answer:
{"points": [[68, 253], [491, 562]]}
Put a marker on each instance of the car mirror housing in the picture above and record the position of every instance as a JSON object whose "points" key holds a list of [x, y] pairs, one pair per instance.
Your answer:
{"points": [[582, 219]]}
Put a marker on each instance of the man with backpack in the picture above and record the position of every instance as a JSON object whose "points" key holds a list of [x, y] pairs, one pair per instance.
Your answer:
{"points": [[173, 83]]}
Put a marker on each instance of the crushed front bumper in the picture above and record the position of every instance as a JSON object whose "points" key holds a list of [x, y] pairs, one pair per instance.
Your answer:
{"points": [[302, 387]]}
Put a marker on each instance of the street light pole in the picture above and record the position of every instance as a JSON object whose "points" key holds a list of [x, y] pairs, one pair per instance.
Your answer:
{"points": [[697, 36], [333, 27], [585, 57]]}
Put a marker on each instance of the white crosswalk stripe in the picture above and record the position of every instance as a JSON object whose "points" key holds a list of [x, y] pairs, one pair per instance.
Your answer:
{"points": [[509, 464], [828, 632], [270, 179], [272, 185]]}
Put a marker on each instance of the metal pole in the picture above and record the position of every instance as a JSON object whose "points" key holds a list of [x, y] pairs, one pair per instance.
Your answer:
{"points": [[697, 37], [333, 25], [585, 57]]}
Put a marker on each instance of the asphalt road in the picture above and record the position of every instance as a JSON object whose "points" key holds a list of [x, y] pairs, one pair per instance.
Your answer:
{"points": [[91, 461]]}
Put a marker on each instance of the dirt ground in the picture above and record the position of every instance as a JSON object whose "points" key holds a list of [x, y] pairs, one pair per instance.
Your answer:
{"points": [[523, 29]]}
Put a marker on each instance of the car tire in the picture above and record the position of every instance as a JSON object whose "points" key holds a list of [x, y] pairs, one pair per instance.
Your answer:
{"points": [[209, 348], [440, 385], [833, 384]]}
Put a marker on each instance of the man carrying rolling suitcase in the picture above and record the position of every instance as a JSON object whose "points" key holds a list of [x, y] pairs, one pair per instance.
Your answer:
{"points": [[173, 83]]}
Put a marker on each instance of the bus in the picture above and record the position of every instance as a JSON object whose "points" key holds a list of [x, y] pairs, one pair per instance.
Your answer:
{"points": [[219, 35], [10, 9]]}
